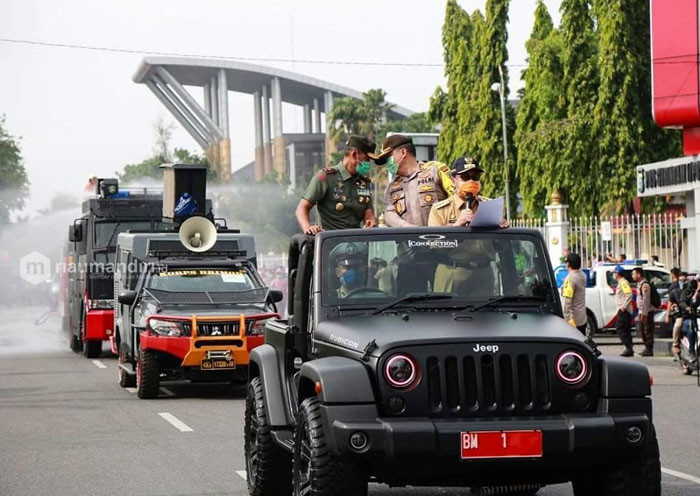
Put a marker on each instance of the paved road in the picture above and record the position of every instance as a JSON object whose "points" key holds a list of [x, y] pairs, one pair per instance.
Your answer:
{"points": [[66, 427]]}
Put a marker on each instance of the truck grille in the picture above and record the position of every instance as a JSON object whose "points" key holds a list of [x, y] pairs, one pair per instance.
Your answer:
{"points": [[488, 384], [227, 328]]}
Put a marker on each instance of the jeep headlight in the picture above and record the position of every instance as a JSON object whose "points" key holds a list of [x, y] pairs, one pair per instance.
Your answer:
{"points": [[571, 368], [165, 327], [401, 371]]}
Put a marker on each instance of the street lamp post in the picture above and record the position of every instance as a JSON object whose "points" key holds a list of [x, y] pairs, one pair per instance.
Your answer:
{"points": [[500, 88]]}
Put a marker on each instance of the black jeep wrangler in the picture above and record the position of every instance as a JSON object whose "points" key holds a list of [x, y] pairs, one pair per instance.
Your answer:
{"points": [[439, 357]]}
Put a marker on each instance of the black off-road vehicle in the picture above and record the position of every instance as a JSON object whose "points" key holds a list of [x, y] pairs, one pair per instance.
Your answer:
{"points": [[439, 357]]}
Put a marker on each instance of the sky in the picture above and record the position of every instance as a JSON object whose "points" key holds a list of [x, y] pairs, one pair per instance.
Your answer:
{"points": [[79, 113]]}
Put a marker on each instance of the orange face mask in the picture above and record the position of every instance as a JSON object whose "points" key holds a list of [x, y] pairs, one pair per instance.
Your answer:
{"points": [[472, 187]]}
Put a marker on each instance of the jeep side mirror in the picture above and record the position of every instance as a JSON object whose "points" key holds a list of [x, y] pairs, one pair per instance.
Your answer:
{"points": [[127, 297], [75, 232], [275, 296]]}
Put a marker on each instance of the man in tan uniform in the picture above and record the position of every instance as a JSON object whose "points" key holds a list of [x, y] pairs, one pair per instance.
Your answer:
{"points": [[470, 273], [416, 186], [573, 293], [623, 300]]}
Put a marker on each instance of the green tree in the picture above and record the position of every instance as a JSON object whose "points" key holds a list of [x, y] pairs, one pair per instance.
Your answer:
{"points": [[352, 116], [624, 130], [539, 121], [445, 105], [149, 168], [14, 185], [488, 140], [580, 84]]}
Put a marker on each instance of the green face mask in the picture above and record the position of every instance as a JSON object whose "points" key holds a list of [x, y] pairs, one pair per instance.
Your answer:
{"points": [[391, 166], [363, 168]]}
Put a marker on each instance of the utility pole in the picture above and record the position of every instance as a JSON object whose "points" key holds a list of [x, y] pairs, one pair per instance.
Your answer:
{"points": [[500, 88]]}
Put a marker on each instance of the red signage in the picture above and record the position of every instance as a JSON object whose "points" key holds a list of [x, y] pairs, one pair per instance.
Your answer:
{"points": [[675, 49]]}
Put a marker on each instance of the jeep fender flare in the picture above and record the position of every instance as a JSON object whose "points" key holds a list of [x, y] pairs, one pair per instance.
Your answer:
{"points": [[342, 381], [264, 363], [620, 378]]}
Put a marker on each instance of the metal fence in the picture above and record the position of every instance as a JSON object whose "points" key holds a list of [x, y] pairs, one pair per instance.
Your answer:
{"points": [[608, 238]]}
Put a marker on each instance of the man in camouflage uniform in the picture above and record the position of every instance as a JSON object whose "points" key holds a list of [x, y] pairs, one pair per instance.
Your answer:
{"points": [[416, 185], [623, 300], [341, 193]]}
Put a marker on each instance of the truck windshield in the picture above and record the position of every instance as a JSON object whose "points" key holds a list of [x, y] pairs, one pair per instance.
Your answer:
{"points": [[107, 232], [200, 280], [467, 267]]}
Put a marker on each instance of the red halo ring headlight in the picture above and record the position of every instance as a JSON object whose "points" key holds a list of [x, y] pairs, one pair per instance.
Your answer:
{"points": [[571, 368], [401, 371]]}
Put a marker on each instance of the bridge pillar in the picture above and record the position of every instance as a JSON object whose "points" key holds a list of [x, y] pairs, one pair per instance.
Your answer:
{"points": [[259, 147], [279, 152], [267, 131]]}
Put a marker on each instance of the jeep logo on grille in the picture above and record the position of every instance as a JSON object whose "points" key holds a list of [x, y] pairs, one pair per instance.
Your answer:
{"points": [[489, 348]]}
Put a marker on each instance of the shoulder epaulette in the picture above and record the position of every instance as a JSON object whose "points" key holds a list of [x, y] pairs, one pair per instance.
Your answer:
{"points": [[330, 170], [443, 203]]}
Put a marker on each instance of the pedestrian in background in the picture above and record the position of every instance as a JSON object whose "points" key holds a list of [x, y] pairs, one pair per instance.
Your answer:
{"points": [[573, 292], [645, 316], [623, 300], [673, 311]]}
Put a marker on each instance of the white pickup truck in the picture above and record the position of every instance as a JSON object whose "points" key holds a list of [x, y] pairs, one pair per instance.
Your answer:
{"points": [[600, 291]]}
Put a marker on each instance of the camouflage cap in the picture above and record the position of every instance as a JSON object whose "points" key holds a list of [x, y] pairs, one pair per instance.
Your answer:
{"points": [[361, 143], [389, 145]]}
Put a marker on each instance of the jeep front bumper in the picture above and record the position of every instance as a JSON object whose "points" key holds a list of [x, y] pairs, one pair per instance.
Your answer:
{"points": [[421, 450]]}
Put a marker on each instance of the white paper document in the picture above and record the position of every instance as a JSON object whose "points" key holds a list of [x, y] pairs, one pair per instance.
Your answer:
{"points": [[489, 213]]}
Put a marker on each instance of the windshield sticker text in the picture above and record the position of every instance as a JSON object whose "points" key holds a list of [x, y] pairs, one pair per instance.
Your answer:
{"points": [[433, 243]]}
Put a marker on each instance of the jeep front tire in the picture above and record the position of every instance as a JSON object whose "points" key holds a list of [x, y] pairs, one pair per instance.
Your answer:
{"points": [[269, 467], [147, 375], [636, 476], [315, 471]]}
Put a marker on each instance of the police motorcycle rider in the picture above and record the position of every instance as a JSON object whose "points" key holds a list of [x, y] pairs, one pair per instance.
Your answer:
{"points": [[689, 303]]}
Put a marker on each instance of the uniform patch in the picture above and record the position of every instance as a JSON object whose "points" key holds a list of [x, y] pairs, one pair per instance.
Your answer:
{"points": [[568, 290], [399, 207], [625, 286], [443, 203]]}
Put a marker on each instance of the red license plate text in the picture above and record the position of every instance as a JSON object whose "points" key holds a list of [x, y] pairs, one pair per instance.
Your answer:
{"points": [[501, 444]]}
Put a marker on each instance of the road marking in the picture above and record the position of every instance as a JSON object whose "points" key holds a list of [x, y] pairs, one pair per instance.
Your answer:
{"points": [[177, 423], [131, 390], [243, 474], [99, 364], [681, 475], [167, 392]]}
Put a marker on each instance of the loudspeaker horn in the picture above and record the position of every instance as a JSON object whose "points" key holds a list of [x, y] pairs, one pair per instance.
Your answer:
{"points": [[197, 234]]}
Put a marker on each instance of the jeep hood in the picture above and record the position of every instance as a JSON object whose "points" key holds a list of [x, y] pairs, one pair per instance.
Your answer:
{"points": [[390, 330]]}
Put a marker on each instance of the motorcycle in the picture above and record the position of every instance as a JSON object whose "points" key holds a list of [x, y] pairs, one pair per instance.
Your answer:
{"points": [[689, 351]]}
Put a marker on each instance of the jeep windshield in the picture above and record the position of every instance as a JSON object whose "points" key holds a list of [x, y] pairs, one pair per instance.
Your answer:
{"points": [[458, 269]]}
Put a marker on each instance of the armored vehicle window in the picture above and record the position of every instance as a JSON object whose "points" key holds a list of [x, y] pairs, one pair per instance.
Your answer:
{"points": [[468, 267], [106, 232], [195, 280]]}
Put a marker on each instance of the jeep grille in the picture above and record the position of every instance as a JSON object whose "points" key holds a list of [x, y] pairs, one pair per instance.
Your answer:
{"points": [[488, 384]]}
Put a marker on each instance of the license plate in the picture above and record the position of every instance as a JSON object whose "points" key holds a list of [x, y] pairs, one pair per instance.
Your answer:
{"points": [[218, 364], [501, 444]]}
